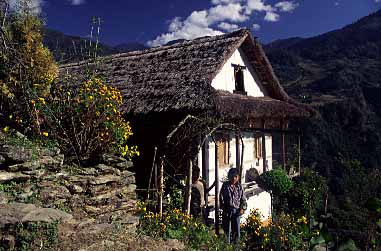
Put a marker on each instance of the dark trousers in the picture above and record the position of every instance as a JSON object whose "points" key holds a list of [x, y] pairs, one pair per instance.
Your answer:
{"points": [[231, 224]]}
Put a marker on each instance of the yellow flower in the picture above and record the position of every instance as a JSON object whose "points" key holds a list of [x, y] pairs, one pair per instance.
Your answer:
{"points": [[46, 134], [42, 100], [6, 129], [91, 97], [10, 116]]}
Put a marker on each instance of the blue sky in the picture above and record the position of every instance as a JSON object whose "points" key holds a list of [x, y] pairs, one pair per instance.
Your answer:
{"points": [[157, 21]]}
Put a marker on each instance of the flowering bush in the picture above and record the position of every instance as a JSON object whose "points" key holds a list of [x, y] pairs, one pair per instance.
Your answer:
{"points": [[286, 233], [175, 224], [85, 121], [27, 69]]}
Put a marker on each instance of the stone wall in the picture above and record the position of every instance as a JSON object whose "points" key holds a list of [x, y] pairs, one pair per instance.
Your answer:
{"points": [[102, 193]]}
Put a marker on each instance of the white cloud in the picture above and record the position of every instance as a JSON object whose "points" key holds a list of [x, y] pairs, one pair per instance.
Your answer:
{"points": [[222, 16], [272, 16], [77, 2], [228, 27], [286, 6], [35, 6], [256, 27], [231, 12]]}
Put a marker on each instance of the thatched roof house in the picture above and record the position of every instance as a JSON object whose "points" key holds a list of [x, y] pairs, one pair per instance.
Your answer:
{"points": [[178, 77], [227, 78]]}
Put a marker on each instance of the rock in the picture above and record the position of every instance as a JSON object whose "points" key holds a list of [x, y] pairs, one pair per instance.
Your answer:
{"points": [[8, 176], [15, 213], [52, 152], [2, 160], [110, 159], [16, 154], [73, 188], [104, 179], [26, 166], [88, 171], [55, 192], [124, 165], [25, 196], [3, 198], [104, 169], [46, 215], [35, 173]]}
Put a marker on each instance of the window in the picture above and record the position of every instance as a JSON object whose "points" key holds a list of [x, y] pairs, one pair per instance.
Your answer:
{"points": [[257, 147], [239, 79], [223, 152]]}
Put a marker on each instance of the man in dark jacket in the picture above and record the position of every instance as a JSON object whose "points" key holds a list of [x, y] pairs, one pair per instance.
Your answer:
{"points": [[233, 205]]}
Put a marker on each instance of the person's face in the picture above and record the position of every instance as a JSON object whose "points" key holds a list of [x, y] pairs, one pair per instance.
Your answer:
{"points": [[235, 179]]}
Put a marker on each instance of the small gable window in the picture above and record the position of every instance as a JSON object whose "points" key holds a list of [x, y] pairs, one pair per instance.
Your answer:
{"points": [[239, 79]]}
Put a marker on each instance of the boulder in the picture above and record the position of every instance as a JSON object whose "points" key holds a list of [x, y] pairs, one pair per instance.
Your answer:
{"points": [[74, 189], [8, 176], [124, 165], [110, 159], [16, 154], [104, 179], [15, 213], [104, 169]]}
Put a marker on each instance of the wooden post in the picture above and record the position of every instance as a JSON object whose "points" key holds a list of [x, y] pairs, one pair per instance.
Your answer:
{"points": [[205, 162], [217, 192], [150, 176], [237, 152], [161, 187], [264, 148], [189, 188]]}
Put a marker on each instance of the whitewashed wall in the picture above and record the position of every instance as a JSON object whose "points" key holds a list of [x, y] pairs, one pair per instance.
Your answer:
{"points": [[262, 200], [225, 78]]}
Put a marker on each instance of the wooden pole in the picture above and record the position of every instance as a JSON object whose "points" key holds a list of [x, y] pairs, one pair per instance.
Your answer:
{"points": [[189, 188], [161, 187], [150, 176], [264, 148], [237, 152], [217, 195]]}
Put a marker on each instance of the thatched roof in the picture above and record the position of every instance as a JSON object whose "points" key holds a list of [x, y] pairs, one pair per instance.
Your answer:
{"points": [[179, 76], [235, 106]]}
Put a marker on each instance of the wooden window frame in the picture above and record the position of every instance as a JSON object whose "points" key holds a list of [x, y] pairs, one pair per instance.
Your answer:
{"points": [[223, 157], [239, 79], [258, 146]]}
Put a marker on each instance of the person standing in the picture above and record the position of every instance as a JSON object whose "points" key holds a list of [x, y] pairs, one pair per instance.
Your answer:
{"points": [[233, 204]]}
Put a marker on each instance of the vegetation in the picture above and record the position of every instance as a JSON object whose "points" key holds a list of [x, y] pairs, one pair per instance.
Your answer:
{"points": [[83, 121], [27, 68]]}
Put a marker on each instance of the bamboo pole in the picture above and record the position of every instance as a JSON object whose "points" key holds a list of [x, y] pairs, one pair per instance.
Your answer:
{"points": [[217, 195], [161, 187], [264, 148], [150, 176], [189, 188]]}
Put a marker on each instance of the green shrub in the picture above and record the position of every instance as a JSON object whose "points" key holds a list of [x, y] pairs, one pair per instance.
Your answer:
{"points": [[275, 181], [86, 121]]}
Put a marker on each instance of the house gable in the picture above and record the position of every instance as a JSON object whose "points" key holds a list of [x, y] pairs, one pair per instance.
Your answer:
{"points": [[225, 79]]}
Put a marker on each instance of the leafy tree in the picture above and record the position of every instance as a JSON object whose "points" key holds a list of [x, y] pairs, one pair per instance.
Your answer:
{"points": [[27, 68]]}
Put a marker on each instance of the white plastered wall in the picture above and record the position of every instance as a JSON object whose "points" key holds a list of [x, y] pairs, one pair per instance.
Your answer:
{"points": [[224, 80], [261, 200]]}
